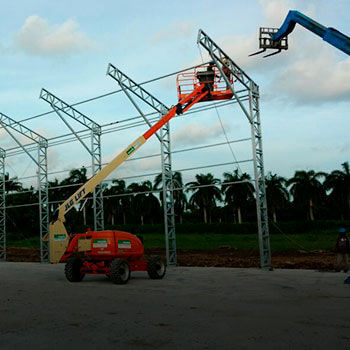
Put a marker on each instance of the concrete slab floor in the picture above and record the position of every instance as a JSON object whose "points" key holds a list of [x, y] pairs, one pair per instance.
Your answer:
{"points": [[191, 308]]}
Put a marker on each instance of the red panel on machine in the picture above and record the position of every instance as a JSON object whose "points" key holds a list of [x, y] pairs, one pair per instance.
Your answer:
{"points": [[111, 244]]}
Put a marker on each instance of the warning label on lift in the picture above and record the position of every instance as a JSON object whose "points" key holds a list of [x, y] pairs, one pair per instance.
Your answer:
{"points": [[99, 243], [124, 243], [59, 238]]}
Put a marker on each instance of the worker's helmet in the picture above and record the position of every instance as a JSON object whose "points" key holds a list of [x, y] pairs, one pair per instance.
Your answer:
{"points": [[342, 230], [224, 60]]}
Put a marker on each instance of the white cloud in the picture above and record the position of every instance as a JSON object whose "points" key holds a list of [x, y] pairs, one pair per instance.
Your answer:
{"points": [[53, 159], [149, 164], [316, 75], [276, 10], [174, 31], [196, 133], [38, 37]]}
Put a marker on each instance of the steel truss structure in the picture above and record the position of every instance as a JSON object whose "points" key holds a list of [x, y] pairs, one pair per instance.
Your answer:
{"points": [[245, 93], [94, 150], [127, 85], [252, 112], [10, 125]]}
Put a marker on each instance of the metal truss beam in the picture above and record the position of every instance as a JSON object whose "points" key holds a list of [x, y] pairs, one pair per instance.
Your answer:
{"points": [[215, 51], [10, 124], [94, 149], [252, 112], [2, 206], [135, 88], [221, 59], [167, 175], [59, 104]]}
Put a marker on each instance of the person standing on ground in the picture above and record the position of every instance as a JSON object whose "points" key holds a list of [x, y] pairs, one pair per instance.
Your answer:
{"points": [[342, 249]]}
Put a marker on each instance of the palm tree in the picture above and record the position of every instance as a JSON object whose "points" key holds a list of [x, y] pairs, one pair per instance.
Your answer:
{"points": [[338, 181], [76, 177], [277, 194], [205, 194], [180, 200], [145, 204], [55, 194], [12, 185], [117, 201], [237, 195], [123, 201], [307, 190]]}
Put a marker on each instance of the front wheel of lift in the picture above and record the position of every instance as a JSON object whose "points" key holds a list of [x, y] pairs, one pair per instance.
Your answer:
{"points": [[156, 267], [72, 270], [119, 271]]}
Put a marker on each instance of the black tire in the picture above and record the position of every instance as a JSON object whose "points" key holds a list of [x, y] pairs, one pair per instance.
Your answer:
{"points": [[119, 271], [156, 267], [72, 270]]}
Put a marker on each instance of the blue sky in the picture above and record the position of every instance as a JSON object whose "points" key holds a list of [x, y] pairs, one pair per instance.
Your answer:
{"points": [[66, 46]]}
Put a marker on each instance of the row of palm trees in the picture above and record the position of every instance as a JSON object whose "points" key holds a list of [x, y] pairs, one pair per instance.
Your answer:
{"points": [[307, 195]]}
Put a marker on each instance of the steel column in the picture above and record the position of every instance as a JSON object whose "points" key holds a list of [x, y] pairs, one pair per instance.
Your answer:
{"points": [[259, 175], [43, 201], [2, 206], [168, 196], [96, 167]]}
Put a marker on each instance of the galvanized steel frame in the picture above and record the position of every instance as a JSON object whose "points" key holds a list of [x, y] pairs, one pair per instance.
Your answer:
{"points": [[127, 85], [252, 112], [8, 123], [94, 150]]}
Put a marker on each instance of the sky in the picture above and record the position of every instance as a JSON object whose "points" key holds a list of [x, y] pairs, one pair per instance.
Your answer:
{"points": [[66, 46]]}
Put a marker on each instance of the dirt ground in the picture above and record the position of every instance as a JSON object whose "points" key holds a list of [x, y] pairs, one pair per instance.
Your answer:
{"points": [[223, 257]]}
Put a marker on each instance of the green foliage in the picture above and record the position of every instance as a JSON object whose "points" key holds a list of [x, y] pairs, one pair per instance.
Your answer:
{"points": [[136, 208]]}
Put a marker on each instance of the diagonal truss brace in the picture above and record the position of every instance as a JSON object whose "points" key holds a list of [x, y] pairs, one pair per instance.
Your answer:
{"points": [[128, 85], [10, 124], [59, 106]]}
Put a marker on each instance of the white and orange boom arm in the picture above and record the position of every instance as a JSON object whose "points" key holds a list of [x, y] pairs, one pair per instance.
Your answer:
{"points": [[58, 233]]}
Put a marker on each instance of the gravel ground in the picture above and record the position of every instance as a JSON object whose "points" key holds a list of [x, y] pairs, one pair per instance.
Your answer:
{"points": [[191, 308]]}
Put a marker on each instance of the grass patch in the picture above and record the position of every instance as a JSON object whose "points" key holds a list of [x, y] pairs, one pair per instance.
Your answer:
{"points": [[203, 241], [279, 242], [31, 242]]}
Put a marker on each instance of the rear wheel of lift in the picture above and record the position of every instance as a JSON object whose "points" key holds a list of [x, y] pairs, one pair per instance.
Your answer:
{"points": [[156, 267], [120, 271], [72, 270]]}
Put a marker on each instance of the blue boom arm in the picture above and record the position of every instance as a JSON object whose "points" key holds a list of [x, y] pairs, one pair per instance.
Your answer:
{"points": [[277, 38], [330, 35]]}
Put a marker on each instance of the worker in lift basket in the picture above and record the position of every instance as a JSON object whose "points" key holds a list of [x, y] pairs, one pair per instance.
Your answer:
{"points": [[342, 249], [226, 71], [207, 77]]}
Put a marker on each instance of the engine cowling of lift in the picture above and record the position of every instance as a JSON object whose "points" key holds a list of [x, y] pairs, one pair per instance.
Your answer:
{"points": [[105, 245]]}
